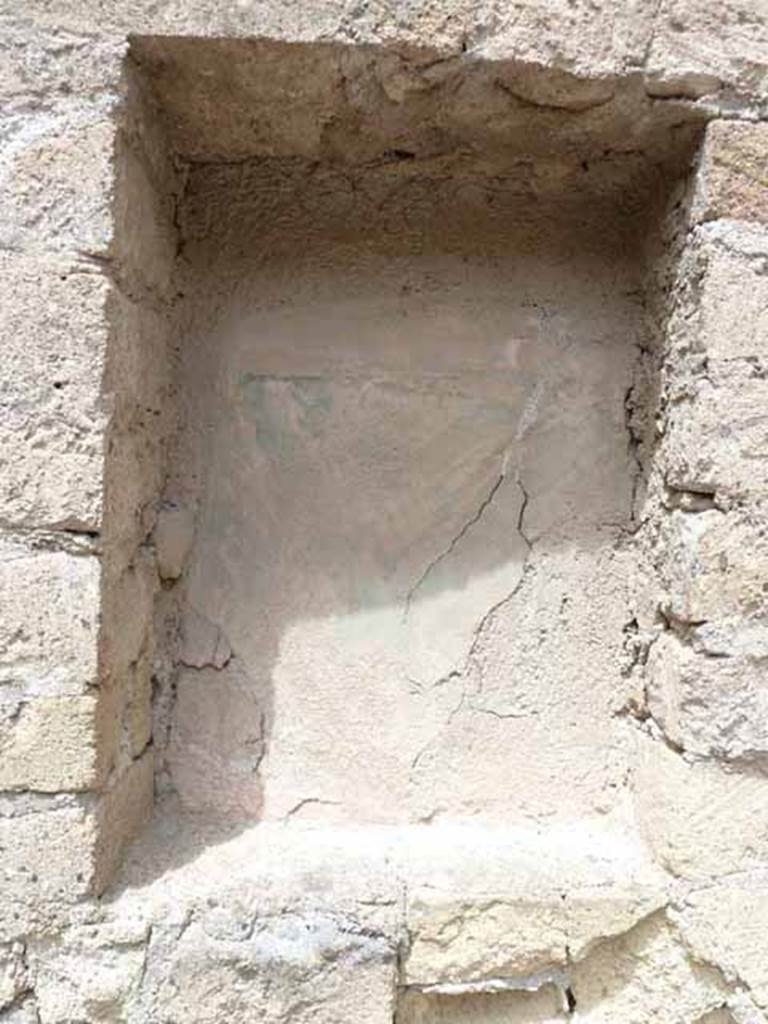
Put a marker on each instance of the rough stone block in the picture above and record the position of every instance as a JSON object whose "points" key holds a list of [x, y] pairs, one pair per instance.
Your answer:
{"points": [[726, 924], [698, 819], [86, 980], [56, 59], [56, 850], [57, 183], [277, 976], [733, 300], [54, 335], [732, 180], [695, 48], [637, 977], [49, 621], [708, 706], [46, 861], [715, 565], [57, 743], [526, 911], [716, 443]]}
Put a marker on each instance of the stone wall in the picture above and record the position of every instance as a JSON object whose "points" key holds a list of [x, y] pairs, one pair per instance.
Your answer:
{"points": [[575, 824]]}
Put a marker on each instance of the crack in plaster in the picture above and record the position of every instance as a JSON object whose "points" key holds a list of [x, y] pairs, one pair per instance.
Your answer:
{"points": [[309, 800], [456, 540], [479, 629]]}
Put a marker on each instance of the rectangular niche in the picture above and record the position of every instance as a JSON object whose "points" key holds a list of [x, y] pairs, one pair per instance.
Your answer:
{"points": [[412, 316]]}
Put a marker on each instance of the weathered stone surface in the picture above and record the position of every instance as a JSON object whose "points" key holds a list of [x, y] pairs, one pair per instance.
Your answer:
{"points": [[57, 183], [715, 566], [695, 49], [54, 336], [733, 177], [708, 705], [724, 924], [47, 861], [49, 620], [82, 981], [397, 336], [80, 733], [540, 901], [645, 975], [733, 301], [699, 820]]}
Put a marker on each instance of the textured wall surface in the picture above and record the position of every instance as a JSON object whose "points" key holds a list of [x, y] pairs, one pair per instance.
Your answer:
{"points": [[383, 466]]}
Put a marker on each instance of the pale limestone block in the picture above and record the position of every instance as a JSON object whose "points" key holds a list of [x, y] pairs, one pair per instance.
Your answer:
{"points": [[643, 976], [598, 40], [725, 924], [57, 182], [698, 819], [461, 938], [732, 179], [54, 334], [733, 302], [57, 743], [47, 860], [48, 621], [203, 982], [539, 899], [696, 46], [715, 566], [495, 936], [715, 444], [81, 980], [281, 955], [57, 61], [708, 706]]}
